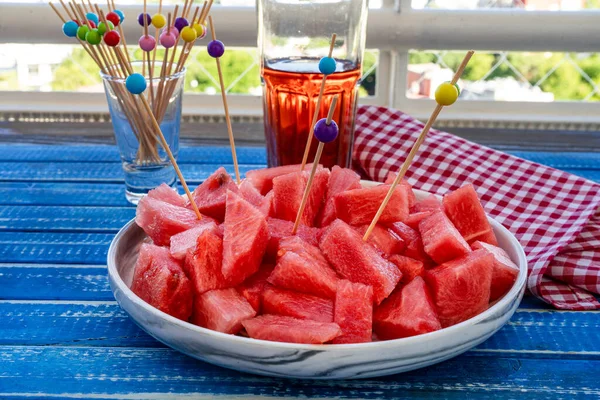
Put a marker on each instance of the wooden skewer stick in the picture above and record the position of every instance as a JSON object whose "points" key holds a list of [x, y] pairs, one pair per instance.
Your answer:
{"points": [[317, 108], [227, 117], [415, 148], [313, 170], [156, 38]]}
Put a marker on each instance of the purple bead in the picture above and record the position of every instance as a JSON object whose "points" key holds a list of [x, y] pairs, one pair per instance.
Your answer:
{"points": [[326, 133], [181, 23], [216, 48], [148, 19]]}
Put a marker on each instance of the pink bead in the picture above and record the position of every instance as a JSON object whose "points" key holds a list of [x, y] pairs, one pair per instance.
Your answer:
{"points": [[147, 43], [167, 40], [173, 31]]}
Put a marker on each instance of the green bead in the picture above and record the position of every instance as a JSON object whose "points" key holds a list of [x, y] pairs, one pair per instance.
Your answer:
{"points": [[82, 31], [93, 37], [102, 27]]}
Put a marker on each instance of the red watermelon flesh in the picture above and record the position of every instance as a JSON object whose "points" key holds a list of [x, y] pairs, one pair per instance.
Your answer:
{"points": [[262, 179], [250, 193], [288, 191], [383, 239], [489, 238], [159, 280], [504, 272], [409, 267], [222, 310], [415, 219], [303, 268], [409, 311], [441, 240], [186, 240], [464, 209], [298, 305], [412, 239], [211, 195], [203, 264], [358, 261], [353, 312], [245, 239], [253, 287], [412, 199], [461, 287], [167, 194], [162, 220], [429, 203], [359, 206], [278, 328], [279, 229], [340, 180], [267, 205]]}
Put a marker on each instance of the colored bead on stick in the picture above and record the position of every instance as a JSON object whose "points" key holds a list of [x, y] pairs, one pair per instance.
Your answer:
{"points": [[135, 83], [93, 37], [181, 23], [200, 30], [112, 38], [147, 43], [188, 34], [82, 31], [70, 28], [446, 94], [102, 27], [167, 39], [92, 17], [120, 14], [215, 48], [324, 132], [158, 21], [327, 65], [114, 18], [141, 19]]}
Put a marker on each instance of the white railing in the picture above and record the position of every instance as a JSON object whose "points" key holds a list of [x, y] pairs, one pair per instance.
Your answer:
{"points": [[394, 29]]}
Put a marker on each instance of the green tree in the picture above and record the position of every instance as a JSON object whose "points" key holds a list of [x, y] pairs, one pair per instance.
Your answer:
{"points": [[76, 72]]}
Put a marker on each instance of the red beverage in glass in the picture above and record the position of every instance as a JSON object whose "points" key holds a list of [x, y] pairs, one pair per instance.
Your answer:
{"points": [[290, 92]]}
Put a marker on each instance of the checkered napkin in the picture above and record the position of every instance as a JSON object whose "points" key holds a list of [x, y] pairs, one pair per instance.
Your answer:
{"points": [[555, 215]]}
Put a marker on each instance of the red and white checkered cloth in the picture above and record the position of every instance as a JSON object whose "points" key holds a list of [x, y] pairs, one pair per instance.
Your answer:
{"points": [[555, 215]]}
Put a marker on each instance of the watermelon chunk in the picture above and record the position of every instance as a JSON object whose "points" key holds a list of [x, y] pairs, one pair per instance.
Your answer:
{"points": [[277, 328], [279, 229], [222, 310], [211, 195], [409, 311], [383, 239], [250, 193], [262, 179], [464, 209], [253, 287], [162, 220], [353, 312], [461, 287], [186, 240], [245, 239], [409, 267], [267, 205], [340, 180], [429, 203], [415, 219], [298, 305], [359, 206], [358, 261], [504, 273], [489, 238], [203, 264], [412, 199], [302, 267], [288, 191], [159, 280], [412, 239], [167, 194], [441, 241]]}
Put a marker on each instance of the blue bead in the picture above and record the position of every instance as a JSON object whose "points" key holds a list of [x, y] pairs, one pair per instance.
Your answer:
{"points": [[70, 28], [136, 83], [216, 48], [92, 17], [120, 14], [327, 65], [326, 133]]}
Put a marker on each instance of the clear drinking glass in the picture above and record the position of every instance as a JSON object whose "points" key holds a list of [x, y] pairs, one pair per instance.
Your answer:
{"points": [[145, 163], [293, 35]]}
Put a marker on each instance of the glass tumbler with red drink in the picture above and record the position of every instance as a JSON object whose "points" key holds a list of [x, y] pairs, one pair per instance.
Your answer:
{"points": [[293, 35]]}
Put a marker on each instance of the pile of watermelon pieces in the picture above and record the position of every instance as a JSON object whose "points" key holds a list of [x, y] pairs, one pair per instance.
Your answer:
{"points": [[427, 265]]}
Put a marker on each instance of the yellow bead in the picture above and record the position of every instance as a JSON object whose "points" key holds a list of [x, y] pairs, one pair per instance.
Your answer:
{"points": [[188, 34], [446, 94], [158, 21], [200, 31]]}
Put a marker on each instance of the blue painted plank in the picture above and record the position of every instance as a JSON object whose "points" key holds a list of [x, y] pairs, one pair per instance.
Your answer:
{"points": [[47, 248], [562, 160], [63, 194], [542, 333], [110, 153], [156, 372], [71, 219], [96, 172]]}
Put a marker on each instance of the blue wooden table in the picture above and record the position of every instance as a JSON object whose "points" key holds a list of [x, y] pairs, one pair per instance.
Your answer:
{"points": [[63, 335]]}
